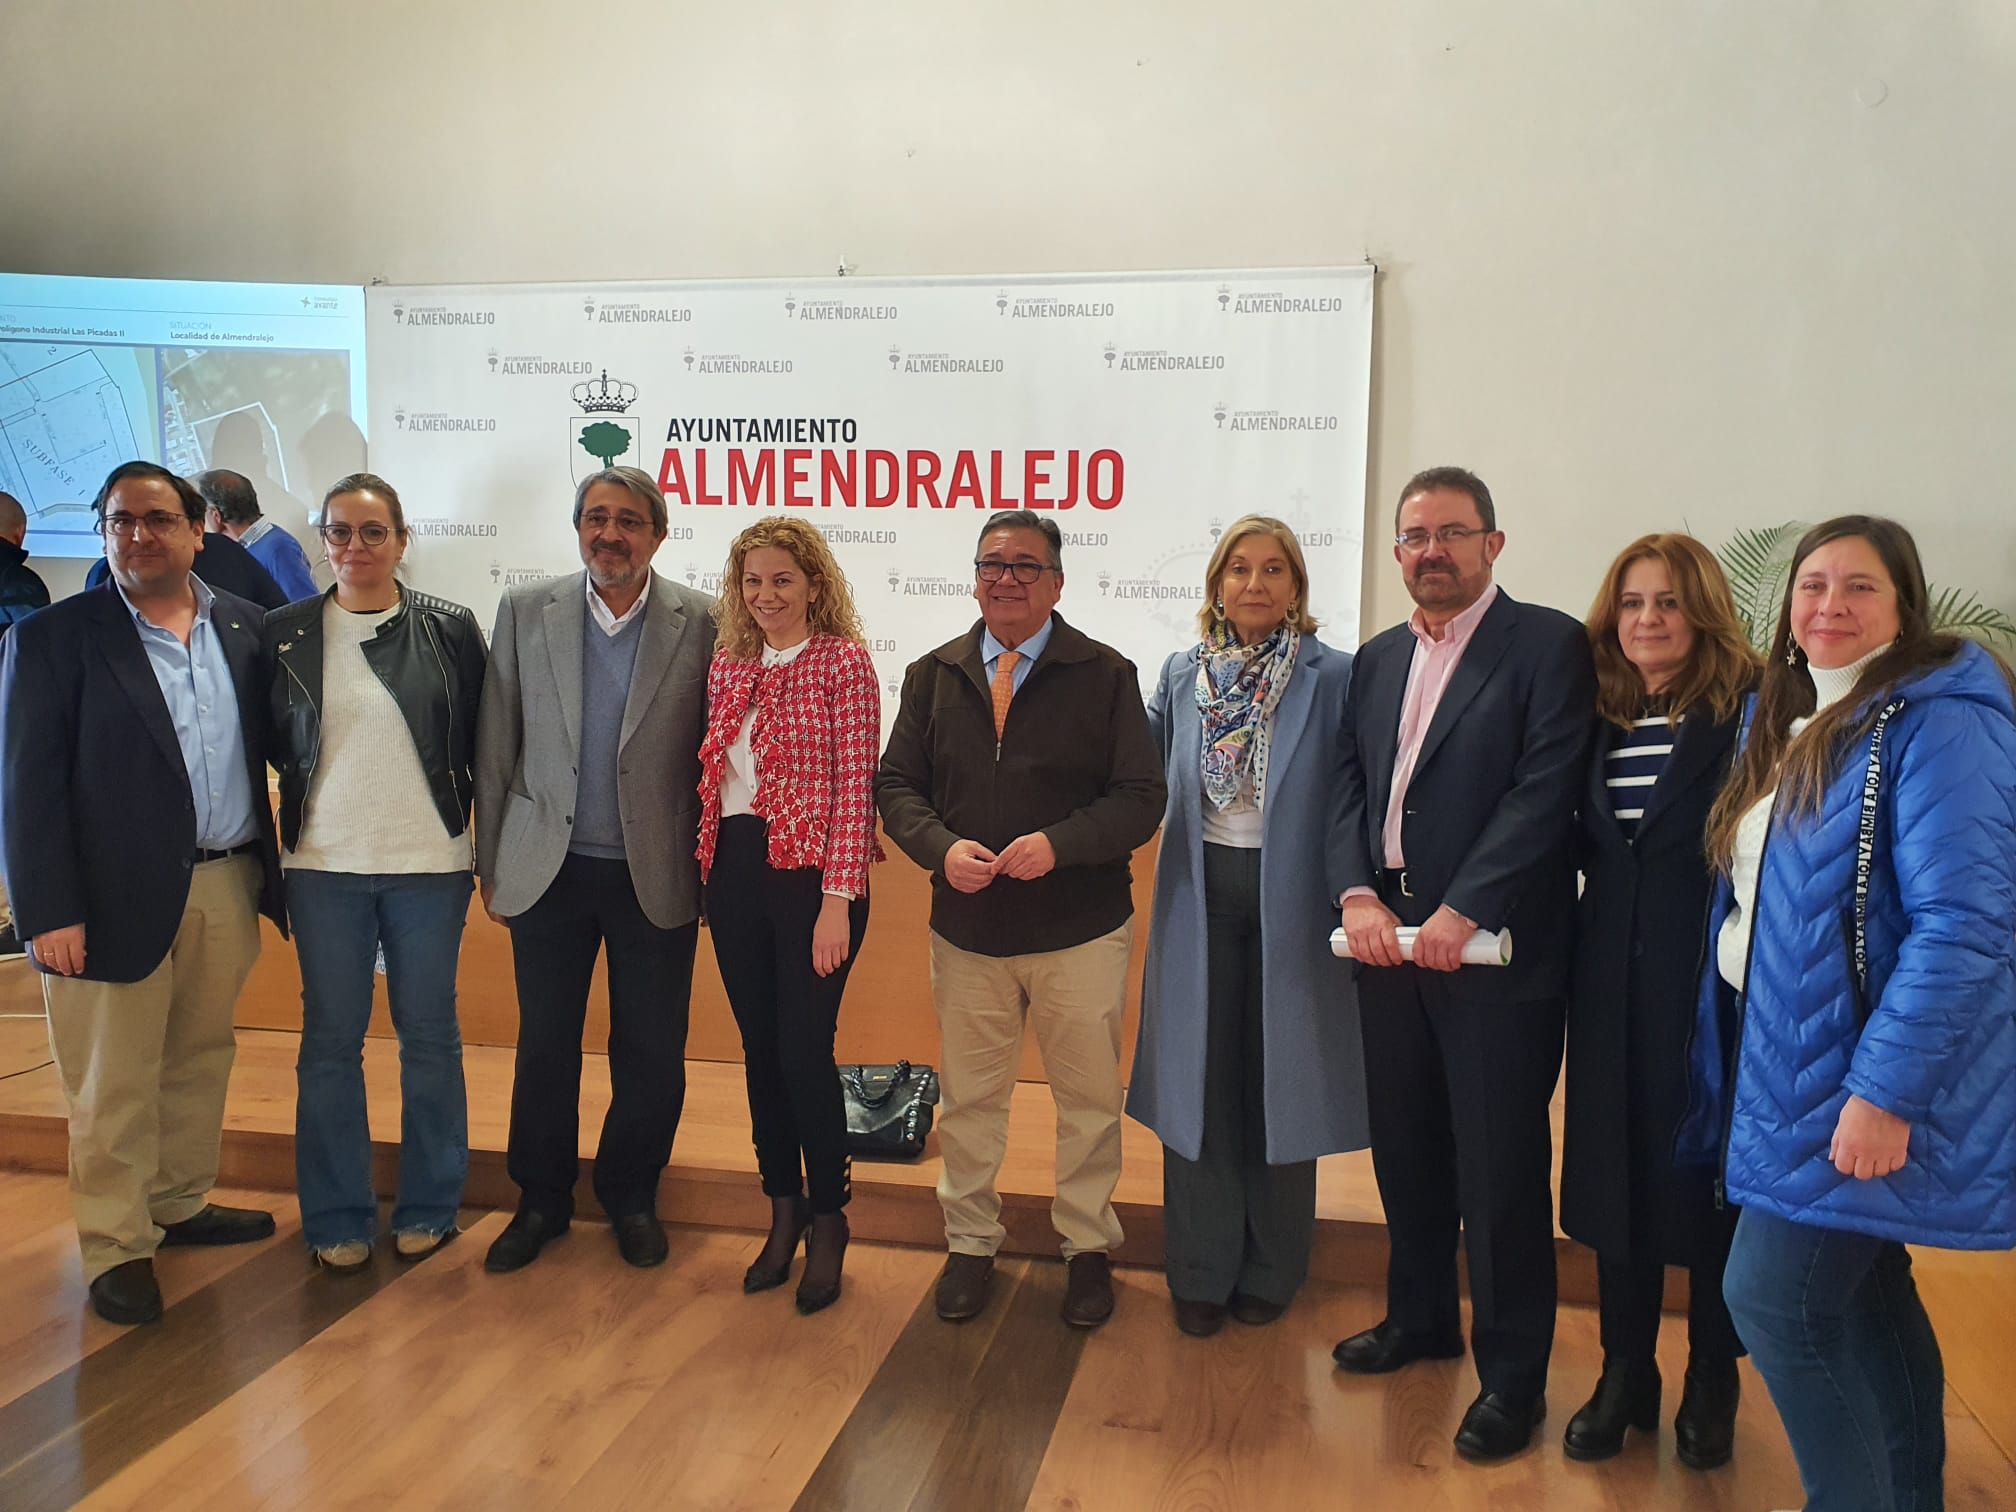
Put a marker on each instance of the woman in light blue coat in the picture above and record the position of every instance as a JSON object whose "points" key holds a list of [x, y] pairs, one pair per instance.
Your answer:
{"points": [[1249, 1064]]}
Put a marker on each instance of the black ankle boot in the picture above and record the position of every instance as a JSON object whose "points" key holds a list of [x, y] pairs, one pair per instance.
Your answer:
{"points": [[1627, 1396], [819, 1287], [1704, 1431], [790, 1217]]}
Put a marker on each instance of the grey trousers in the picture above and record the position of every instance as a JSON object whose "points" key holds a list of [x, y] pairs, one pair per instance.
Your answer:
{"points": [[1232, 1222]]}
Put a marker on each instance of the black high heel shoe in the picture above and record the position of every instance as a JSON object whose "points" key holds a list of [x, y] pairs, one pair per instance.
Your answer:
{"points": [[790, 1219], [1627, 1396], [824, 1251], [1704, 1433]]}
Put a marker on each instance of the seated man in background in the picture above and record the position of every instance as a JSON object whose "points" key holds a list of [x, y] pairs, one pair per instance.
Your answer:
{"points": [[234, 512], [139, 848]]}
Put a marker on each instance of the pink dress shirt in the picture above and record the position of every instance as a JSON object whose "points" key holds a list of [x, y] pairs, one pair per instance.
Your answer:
{"points": [[1427, 680]]}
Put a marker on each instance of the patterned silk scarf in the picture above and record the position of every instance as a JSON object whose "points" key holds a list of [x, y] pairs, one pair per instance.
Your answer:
{"points": [[1237, 689]]}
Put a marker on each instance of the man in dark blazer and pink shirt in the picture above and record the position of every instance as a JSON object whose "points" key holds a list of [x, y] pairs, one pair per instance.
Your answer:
{"points": [[1466, 734]]}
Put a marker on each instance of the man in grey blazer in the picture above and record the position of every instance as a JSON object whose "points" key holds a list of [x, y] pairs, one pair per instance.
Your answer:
{"points": [[587, 768]]}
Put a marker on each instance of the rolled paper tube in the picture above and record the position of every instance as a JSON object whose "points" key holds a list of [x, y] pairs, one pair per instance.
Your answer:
{"points": [[1481, 949]]}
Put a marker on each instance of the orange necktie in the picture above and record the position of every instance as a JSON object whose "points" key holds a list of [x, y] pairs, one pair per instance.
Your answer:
{"points": [[1004, 688]]}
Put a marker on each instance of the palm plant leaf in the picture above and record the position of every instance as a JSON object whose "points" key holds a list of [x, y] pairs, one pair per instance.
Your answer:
{"points": [[1757, 563], [1962, 613]]}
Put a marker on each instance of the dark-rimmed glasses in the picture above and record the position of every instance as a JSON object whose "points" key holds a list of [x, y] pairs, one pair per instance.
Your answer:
{"points": [[371, 534], [1025, 573], [159, 522]]}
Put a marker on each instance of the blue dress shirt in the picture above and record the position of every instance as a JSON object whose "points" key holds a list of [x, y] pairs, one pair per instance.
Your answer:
{"points": [[203, 705], [1030, 649]]}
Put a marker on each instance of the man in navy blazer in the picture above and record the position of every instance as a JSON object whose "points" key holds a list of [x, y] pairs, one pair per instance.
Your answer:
{"points": [[1465, 736], [138, 846]]}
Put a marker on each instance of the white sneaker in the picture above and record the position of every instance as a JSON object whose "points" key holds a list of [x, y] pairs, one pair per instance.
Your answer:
{"points": [[414, 1244], [352, 1255]]}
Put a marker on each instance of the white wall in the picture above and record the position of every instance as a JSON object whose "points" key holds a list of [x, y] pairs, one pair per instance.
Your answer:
{"points": [[1645, 263]]}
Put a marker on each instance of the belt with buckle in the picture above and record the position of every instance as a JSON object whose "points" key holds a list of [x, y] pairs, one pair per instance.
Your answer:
{"points": [[1397, 877], [203, 855]]}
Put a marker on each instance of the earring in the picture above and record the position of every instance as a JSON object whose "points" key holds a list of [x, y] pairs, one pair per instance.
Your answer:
{"points": [[1218, 609], [1293, 605], [1791, 653]]}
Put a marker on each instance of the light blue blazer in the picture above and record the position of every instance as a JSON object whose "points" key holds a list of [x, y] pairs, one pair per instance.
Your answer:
{"points": [[1314, 1061]]}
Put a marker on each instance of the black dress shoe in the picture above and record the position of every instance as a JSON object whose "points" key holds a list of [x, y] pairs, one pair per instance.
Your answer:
{"points": [[1200, 1320], [790, 1219], [524, 1236], [640, 1237], [1088, 1290], [1255, 1312], [219, 1225], [1627, 1396], [1496, 1425], [1704, 1430], [127, 1293], [825, 1249], [1384, 1347]]}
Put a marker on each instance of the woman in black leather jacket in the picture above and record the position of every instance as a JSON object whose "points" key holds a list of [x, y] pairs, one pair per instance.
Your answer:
{"points": [[374, 690]]}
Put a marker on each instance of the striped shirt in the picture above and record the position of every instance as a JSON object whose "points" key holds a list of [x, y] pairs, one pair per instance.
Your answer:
{"points": [[1635, 759]]}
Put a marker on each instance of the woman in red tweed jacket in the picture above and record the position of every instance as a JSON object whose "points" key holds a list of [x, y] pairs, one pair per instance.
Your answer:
{"points": [[787, 832]]}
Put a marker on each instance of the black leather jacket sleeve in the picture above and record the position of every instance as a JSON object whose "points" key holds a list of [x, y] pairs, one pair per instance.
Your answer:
{"points": [[429, 656]]}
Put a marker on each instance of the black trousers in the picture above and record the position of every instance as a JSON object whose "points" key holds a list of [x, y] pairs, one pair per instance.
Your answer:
{"points": [[1232, 1222], [761, 919], [1457, 1094], [591, 903], [1629, 1297]]}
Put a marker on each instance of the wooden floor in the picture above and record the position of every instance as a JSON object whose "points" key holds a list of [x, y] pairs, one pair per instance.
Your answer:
{"points": [[711, 1177], [582, 1384]]}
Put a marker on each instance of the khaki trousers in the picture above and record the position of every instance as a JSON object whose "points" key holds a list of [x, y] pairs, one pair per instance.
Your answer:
{"points": [[145, 1066], [1074, 999]]}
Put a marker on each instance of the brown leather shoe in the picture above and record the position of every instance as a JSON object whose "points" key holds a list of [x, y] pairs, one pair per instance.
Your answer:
{"points": [[1088, 1290], [962, 1288]]}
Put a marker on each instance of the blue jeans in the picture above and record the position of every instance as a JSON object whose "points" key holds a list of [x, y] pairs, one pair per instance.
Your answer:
{"points": [[341, 920], [1834, 1325]]}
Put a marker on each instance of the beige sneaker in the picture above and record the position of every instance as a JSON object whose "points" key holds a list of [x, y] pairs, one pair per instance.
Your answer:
{"points": [[415, 1244], [353, 1255]]}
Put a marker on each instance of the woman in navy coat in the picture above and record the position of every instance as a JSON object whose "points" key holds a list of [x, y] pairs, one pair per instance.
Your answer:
{"points": [[1249, 1064], [1672, 669]]}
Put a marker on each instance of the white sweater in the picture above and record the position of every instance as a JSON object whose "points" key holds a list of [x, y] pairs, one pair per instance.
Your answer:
{"points": [[369, 809], [1732, 945]]}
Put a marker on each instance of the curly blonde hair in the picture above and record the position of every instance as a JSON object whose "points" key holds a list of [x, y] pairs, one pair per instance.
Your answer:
{"points": [[831, 611]]}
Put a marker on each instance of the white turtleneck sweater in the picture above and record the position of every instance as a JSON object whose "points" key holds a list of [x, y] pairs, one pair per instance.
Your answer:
{"points": [[1732, 945]]}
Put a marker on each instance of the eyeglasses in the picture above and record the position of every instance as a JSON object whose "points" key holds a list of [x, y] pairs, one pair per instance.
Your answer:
{"points": [[158, 524], [371, 534], [1448, 535], [629, 524], [1025, 573]]}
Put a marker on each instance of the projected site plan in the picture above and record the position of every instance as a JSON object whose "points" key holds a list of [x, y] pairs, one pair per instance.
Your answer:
{"points": [[67, 417], [265, 379]]}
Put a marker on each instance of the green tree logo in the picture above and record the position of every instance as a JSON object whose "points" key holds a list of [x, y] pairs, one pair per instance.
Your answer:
{"points": [[605, 441]]}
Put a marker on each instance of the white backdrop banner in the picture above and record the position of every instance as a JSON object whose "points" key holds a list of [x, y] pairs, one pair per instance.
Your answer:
{"points": [[1144, 412]]}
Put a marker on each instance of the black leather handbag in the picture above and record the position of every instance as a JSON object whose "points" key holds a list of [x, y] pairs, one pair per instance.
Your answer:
{"points": [[888, 1109]]}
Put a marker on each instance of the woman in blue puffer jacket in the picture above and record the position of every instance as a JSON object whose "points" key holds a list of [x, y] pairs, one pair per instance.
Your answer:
{"points": [[1854, 1061]]}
